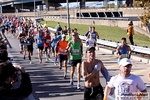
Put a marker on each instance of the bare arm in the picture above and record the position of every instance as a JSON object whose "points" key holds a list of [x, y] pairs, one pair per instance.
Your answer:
{"points": [[117, 52], [85, 74], [18, 37], [130, 51], [106, 91], [97, 35]]}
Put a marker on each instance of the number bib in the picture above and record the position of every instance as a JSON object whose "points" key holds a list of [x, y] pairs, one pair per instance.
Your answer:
{"points": [[75, 52], [47, 41], [63, 51], [124, 55], [28, 43]]}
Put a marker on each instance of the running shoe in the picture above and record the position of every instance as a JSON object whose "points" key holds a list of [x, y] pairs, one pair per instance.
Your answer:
{"points": [[30, 62], [64, 76], [71, 83], [78, 86]]}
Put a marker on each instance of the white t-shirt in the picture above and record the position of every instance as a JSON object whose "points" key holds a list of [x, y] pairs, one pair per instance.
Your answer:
{"points": [[20, 29], [90, 42], [127, 85]]}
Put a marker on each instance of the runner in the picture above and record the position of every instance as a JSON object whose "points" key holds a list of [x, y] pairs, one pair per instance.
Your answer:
{"points": [[21, 38], [12, 29], [94, 34], [69, 38], [88, 32], [62, 53], [123, 51], [53, 44], [90, 71], [40, 44], [90, 42], [47, 42], [126, 84], [76, 52], [30, 40]]}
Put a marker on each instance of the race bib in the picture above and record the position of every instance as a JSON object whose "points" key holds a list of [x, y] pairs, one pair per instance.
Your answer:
{"points": [[75, 52], [28, 42], [63, 51], [22, 40], [93, 35], [124, 55], [47, 41]]}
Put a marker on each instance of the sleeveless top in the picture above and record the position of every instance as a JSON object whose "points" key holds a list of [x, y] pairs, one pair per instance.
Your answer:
{"points": [[75, 53]]}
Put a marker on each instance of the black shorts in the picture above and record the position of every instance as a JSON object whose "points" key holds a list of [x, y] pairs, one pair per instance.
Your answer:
{"points": [[12, 31], [40, 48], [95, 93], [53, 50], [61, 58], [30, 48], [45, 48], [6, 29], [75, 62]]}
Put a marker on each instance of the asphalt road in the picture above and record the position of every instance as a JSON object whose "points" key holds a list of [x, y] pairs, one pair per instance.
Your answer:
{"points": [[48, 82]]}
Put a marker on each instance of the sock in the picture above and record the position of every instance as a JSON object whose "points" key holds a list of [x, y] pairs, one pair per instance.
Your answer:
{"points": [[30, 58], [71, 80]]}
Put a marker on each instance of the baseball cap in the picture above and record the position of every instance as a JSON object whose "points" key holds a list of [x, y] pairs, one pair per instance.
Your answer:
{"points": [[125, 61], [63, 35], [130, 23], [90, 48]]}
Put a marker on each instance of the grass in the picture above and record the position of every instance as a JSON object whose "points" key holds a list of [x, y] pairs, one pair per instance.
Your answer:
{"points": [[106, 32]]}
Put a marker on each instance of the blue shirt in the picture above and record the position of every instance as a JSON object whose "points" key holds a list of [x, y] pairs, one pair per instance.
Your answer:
{"points": [[94, 35], [59, 37], [54, 42], [39, 41]]}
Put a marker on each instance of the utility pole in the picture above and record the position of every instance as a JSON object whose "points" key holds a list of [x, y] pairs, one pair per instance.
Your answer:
{"points": [[68, 15]]}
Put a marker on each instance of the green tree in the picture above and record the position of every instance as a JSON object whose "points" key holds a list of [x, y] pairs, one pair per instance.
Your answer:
{"points": [[145, 17]]}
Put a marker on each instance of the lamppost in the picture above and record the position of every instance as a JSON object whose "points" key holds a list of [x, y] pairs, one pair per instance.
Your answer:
{"points": [[34, 9], [1, 8], [68, 15], [22, 5]]}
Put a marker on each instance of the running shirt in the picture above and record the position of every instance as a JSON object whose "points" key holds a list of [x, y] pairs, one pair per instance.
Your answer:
{"points": [[54, 42], [22, 40], [123, 51], [62, 45], [59, 37], [124, 86], [47, 40], [68, 37], [29, 41], [32, 30], [39, 41], [75, 53], [91, 42], [93, 35]]}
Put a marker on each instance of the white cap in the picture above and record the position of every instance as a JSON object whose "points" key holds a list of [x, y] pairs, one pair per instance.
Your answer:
{"points": [[63, 35], [125, 61]]}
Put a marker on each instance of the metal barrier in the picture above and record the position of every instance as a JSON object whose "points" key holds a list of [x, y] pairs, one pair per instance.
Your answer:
{"points": [[137, 49]]}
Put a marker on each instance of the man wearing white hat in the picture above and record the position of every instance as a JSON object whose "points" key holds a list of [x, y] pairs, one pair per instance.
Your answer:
{"points": [[125, 83]]}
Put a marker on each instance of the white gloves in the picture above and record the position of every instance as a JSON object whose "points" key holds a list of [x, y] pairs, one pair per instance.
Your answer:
{"points": [[97, 67]]}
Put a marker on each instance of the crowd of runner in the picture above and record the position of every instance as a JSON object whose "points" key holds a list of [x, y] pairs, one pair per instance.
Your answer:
{"points": [[66, 47]]}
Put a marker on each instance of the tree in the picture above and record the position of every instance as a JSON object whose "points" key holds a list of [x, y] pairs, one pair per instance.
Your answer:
{"points": [[145, 17]]}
